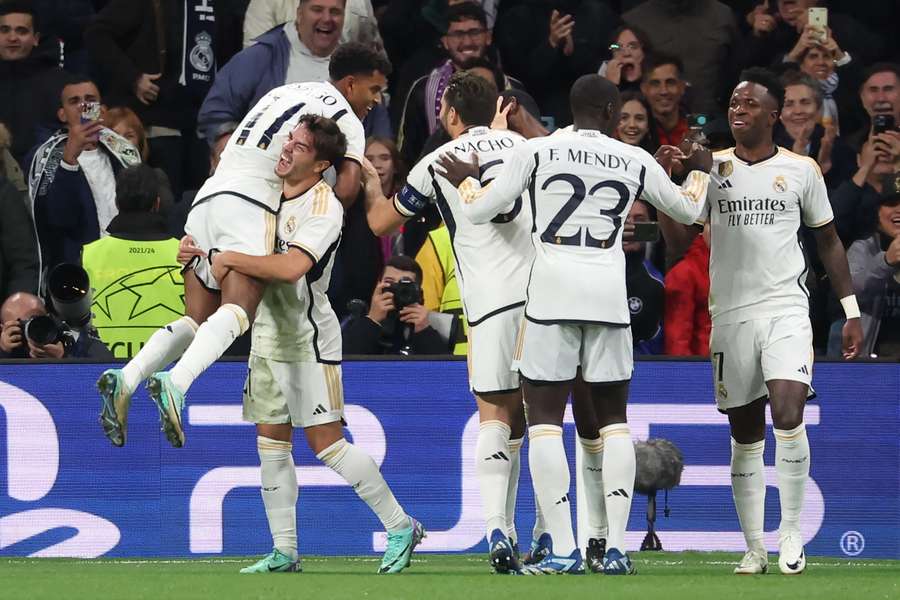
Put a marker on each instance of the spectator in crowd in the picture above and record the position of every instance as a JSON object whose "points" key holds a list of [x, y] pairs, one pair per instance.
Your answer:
{"points": [[30, 79], [359, 20], [855, 201], [126, 123], [875, 269], [439, 286], [19, 309], [71, 178], [548, 45], [628, 46], [135, 263], [644, 286], [299, 51], [20, 265], [803, 133], [880, 95], [361, 255], [467, 37], [703, 34], [636, 126], [159, 58], [66, 20], [663, 86], [387, 330], [9, 167], [777, 27], [838, 75], [687, 324]]}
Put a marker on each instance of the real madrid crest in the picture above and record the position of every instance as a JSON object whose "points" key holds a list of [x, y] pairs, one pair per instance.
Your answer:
{"points": [[726, 168], [780, 184], [723, 393], [202, 57], [291, 225]]}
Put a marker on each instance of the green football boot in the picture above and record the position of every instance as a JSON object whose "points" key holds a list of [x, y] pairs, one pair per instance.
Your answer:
{"points": [[114, 410], [169, 401], [400, 547], [274, 562]]}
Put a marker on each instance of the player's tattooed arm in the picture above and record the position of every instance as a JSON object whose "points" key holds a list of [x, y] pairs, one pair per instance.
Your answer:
{"points": [[285, 268], [834, 258], [381, 212]]}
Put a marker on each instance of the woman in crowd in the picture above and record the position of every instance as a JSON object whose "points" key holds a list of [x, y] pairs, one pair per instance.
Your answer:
{"points": [[628, 45], [126, 123], [636, 123]]}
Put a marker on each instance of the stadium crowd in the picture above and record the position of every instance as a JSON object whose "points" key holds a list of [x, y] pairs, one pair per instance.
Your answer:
{"points": [[92, 91]]}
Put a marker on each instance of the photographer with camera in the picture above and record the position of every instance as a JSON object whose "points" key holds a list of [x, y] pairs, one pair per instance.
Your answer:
{"points": [[26, 329], [396, 322]]}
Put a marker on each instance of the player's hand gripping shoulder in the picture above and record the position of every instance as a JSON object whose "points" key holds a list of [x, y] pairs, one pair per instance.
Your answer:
{"points": [[455, 170]]}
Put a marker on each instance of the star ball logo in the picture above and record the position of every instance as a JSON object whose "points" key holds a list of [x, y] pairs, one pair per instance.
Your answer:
{"points": [[128, 310]]}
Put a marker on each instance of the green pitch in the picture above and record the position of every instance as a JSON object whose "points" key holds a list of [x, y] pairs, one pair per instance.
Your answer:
{"points": [[662, 576]]}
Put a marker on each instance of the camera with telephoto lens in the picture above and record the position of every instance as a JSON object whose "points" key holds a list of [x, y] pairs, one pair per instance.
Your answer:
{"points": [[406, 292]]}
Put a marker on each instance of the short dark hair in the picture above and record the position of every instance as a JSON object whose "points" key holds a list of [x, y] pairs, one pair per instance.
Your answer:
{"points": [[329, 141], [474, 99], [20, 7], [354, 58], [791, 78], [525, 101], [483, 62], [655, 60], [466, 11], [768, 80], [137, 189], [72, 79], [401, 262], [591, 94], [880, 67]]}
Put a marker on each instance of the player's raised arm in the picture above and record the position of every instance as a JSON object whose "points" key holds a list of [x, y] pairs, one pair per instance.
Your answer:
{"points": [[285, 268], [349, 177], [684, 203], [386, 215], [481, 204]]}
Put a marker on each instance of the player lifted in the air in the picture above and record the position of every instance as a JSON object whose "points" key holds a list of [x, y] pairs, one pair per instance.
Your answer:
{"points": [[492, 261], [236, 210], [761, 343], [577, 319], [294, 377]]}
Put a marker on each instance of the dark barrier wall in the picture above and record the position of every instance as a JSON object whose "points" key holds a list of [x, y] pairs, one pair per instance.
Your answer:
{"points": [[64, 491]]}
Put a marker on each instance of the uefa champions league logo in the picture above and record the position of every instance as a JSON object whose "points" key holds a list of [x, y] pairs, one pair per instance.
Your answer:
{"points": [[32, 453]]}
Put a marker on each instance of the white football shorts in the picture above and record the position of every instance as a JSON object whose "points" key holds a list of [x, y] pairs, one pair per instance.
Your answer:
{"points": [[301, 393], [553, 353], [748, 354], [492, 343]]}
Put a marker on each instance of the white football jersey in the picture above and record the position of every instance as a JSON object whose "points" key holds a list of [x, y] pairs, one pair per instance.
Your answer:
{"points": [[493, 256], [295, 322], [582, 186], [248, 162], [757, 266]]}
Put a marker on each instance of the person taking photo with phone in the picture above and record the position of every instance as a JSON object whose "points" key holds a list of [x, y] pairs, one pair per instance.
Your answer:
{"points": [[72, 175]]}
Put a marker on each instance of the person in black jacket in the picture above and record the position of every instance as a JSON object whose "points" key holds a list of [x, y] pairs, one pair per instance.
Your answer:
{"points": [[387, 330], [19, 263], [30, 80]]}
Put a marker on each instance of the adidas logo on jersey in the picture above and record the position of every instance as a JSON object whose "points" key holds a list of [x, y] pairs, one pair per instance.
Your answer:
{"points": [[618, 492], [803, 370], [725, 185], [320, 410]]}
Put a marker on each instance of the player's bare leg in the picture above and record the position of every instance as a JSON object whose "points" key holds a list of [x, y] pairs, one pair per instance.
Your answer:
{"points": [[588, 428], [362, 474], [610, 402], [787, 400], [165, 345], [748, 481], [494, 456], [546, 405]]}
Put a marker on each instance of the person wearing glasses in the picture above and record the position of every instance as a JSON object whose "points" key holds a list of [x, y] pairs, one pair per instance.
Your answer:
{"points": [[627, 47]]}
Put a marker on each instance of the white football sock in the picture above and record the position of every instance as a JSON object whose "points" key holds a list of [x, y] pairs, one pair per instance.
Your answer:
{"points": [[492, 465], [360, 471], [512, 491], [618, 481], [211, 341], [748, 486], [165, 345], [551, 478], [279, 492], [792, 466], [592, 475]]}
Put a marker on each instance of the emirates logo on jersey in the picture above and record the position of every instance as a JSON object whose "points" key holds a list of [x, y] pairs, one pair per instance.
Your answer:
{"points": [[780, 185]]}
